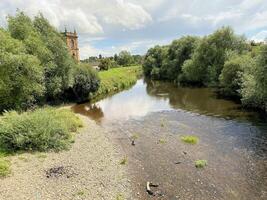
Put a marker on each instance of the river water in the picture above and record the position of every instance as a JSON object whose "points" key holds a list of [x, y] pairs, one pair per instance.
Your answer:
{"points": [[232, 140]]}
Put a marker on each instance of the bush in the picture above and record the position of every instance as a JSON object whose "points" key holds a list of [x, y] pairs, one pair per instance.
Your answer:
{"points": [[42, 129], [201, 163], [231, 76], [105, 64], [254, 82], [86, 81], [190, 139], [4, 167], [125, 58], [21, 76]]}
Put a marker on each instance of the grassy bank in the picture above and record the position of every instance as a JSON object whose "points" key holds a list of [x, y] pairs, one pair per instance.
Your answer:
{"points": [[117, 79], [39, 130]]}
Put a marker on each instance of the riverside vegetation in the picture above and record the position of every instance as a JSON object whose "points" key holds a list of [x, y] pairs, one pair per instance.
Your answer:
{"points": [[117, 79], [236, 66], [36, 69]]}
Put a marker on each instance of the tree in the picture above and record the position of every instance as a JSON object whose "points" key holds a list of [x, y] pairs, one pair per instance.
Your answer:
{"points": [[86, 81], [254, 82], [210, 55], [125, 58], [105, 64], [154, 58], [21, 76], [232, 73], [178, 52]]}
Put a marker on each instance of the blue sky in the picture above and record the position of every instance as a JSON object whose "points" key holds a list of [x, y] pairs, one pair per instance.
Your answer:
{"points": [[109, 26]]}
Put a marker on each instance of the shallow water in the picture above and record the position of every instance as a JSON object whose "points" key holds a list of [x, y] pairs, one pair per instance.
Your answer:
{"points": [[232, 140]]}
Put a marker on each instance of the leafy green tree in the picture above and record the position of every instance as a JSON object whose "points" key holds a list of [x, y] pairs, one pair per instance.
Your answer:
{"points": [[105, 64], [154, 58], [86, 81], [125, 58], [58, 71], [254, 82], [210, 55], [232, 73], [21, 76], [179, 51]]}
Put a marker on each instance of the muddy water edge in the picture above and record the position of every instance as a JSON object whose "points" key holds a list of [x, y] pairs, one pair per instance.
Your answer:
{"points": [[157, 114]]}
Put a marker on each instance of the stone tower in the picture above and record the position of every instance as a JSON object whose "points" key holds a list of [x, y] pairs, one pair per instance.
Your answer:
{"points": [[72, 43]]}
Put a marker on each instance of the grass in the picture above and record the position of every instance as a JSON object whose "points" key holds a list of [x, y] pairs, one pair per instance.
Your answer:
{"points": [[162, 141], [80, 193], [4, 167], [117, 79], [23, 158], [135, 136], [119, 197], [39, 130], [190, 139], [201, 163], [41, 155], [124, 161]]}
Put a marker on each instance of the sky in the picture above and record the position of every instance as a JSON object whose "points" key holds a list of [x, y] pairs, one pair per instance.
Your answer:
{"points": [[110, 26]]}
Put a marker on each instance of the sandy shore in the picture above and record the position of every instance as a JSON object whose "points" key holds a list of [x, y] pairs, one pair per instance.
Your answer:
{"points": [[89, 170]]}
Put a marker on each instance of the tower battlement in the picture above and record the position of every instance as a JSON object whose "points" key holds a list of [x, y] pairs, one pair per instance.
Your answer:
{"points": [[72, 44]]}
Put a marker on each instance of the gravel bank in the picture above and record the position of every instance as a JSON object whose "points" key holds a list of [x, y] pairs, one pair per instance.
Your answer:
{"points": [[89, 170]]}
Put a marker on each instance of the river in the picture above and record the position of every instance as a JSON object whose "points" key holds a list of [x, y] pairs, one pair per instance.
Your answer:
{"points": [[232, 140]]}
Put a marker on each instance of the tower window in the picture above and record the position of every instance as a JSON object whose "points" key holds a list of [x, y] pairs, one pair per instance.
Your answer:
{"points": [[72, 43]]}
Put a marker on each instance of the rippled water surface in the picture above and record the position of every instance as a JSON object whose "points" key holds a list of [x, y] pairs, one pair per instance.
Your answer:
{"points": [[232, 140]]}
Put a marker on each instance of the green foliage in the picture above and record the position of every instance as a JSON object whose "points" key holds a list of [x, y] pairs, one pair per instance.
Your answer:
{"points": [[162, 141], [21, 76], [201, 163], [221, 59], [125, 58], [4, 167], [210, 55], [232, 73], [124, 161], [117, 79], [36, 66], [254, 81], [190, 139], [154, 58], [42, 129], [105, 64], [86, 81]]}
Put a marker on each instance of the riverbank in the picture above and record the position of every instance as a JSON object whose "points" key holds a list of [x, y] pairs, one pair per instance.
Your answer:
{"points": [[116, 79], [91, 169]]}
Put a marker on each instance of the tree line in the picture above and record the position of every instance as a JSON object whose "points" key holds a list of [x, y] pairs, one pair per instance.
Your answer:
{"points": [[223, 59], [36, 67], [123, 59]]}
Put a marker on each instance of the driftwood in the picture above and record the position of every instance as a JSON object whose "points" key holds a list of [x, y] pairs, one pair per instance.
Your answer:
{"points": [[148, 189], [178, 162]]}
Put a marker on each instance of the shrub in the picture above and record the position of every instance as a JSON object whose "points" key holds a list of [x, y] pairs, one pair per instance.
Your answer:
{"points": [[4, 167], [201, 163], [190, 139], [21, 76], [105, 64], [125, 58], [86, 81], [231, 76], [42, 129]]}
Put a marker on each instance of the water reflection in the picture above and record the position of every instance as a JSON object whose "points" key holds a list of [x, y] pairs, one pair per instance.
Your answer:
{"points": [[150, 96]]}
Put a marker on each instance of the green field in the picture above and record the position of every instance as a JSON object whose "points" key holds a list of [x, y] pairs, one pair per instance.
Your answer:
{"points": [[117, 79]]}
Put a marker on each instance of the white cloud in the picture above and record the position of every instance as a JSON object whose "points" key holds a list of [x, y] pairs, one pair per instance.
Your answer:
{"points": [[260, 37], [85, 15]]}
